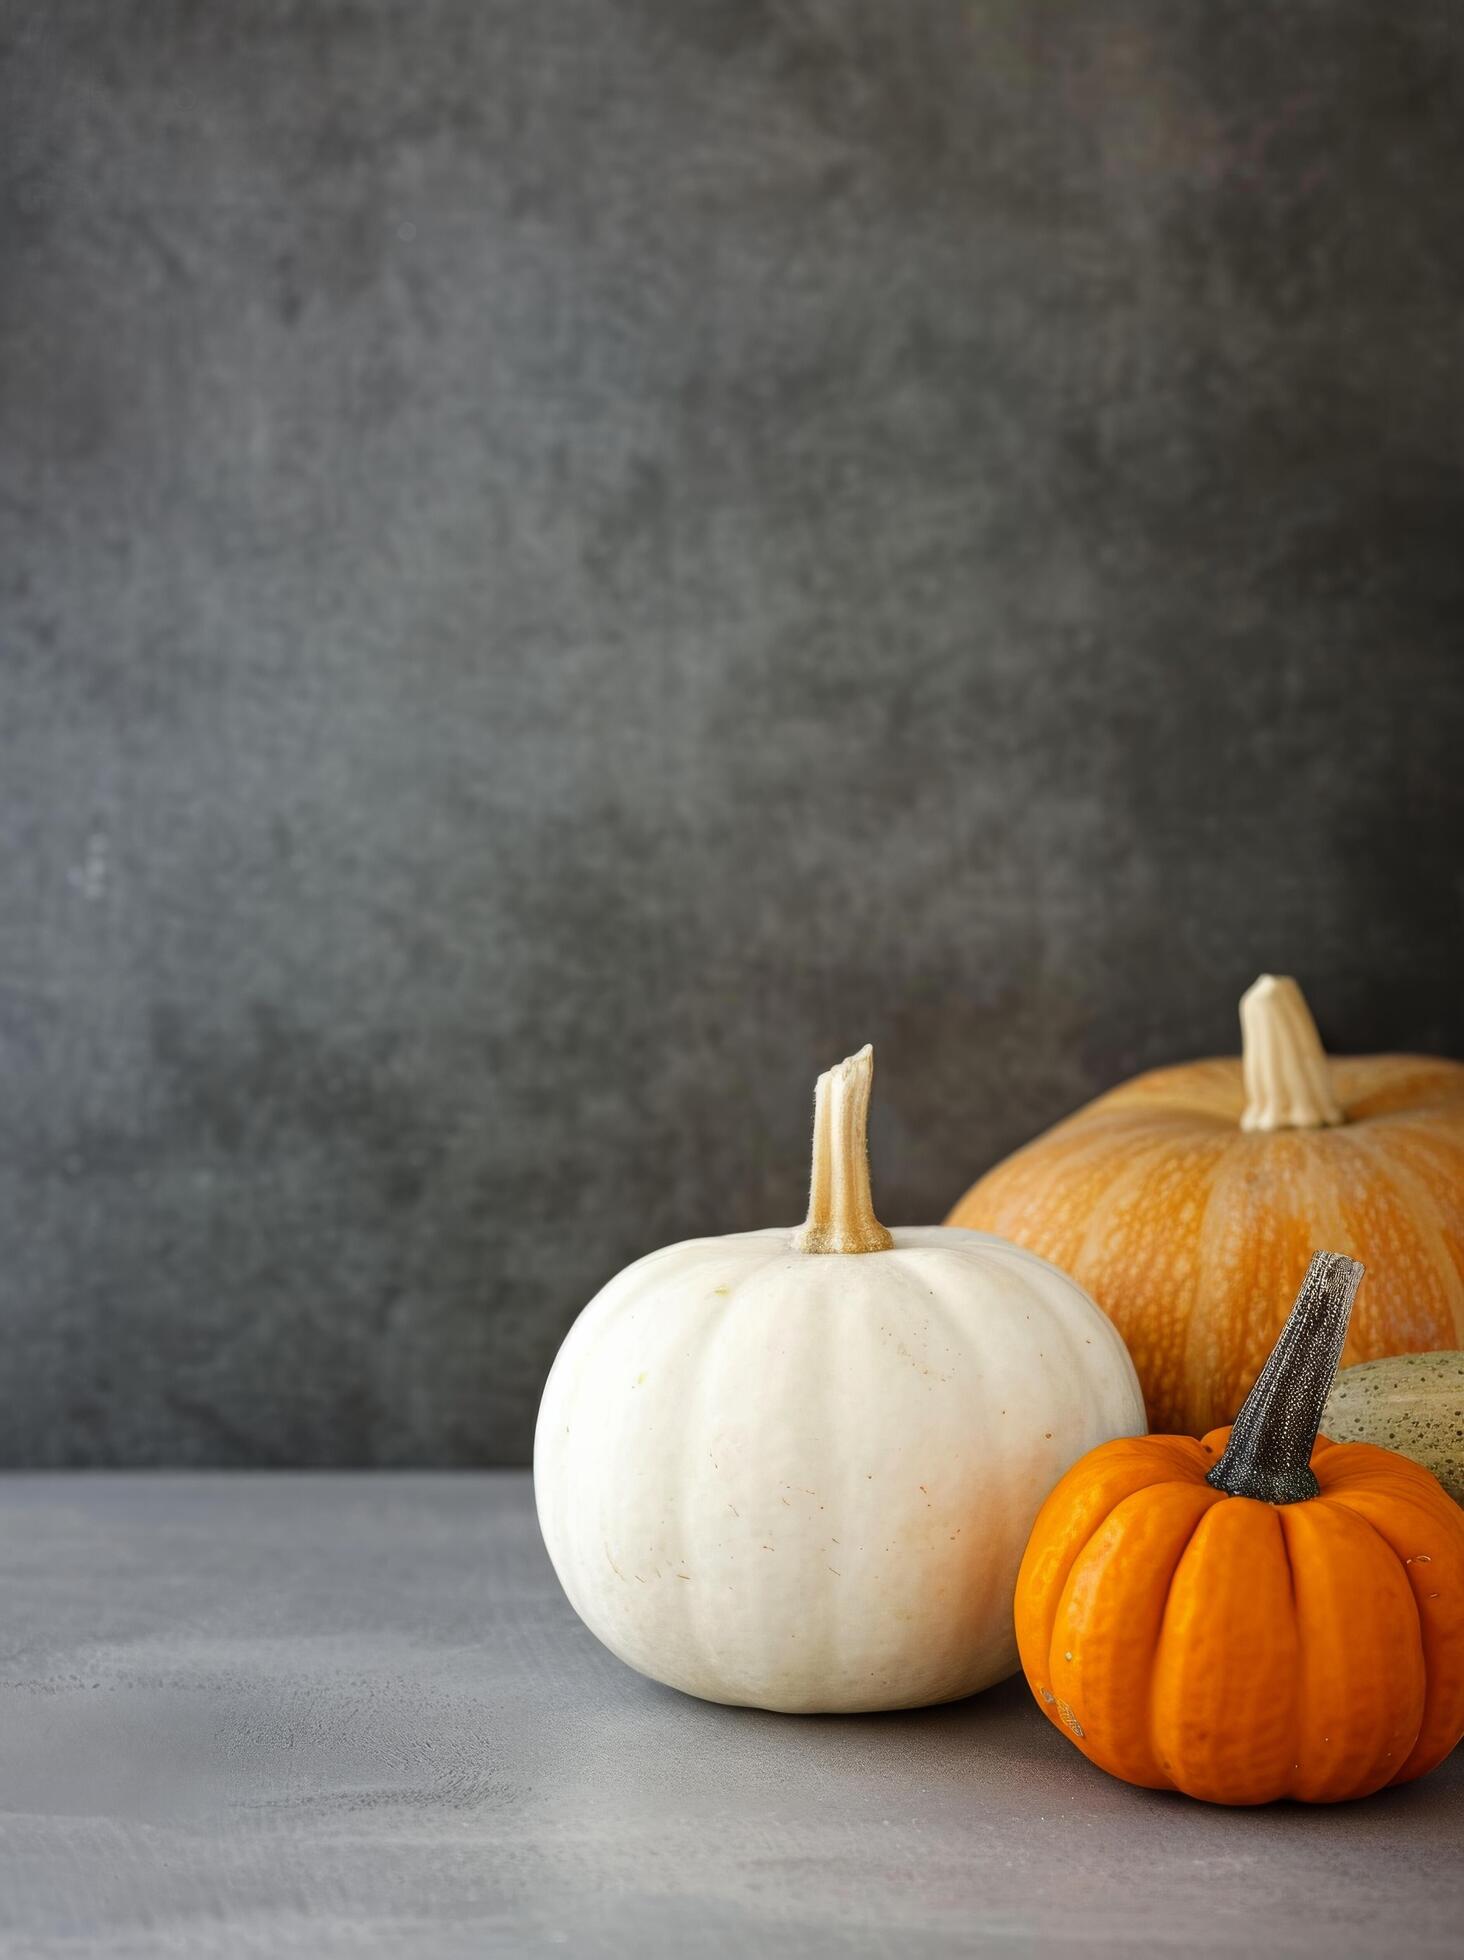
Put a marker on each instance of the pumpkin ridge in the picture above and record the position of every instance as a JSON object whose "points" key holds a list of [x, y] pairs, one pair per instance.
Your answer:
{"points": [[1200, 1335], [1344, 1625], [1051, 1308], [1132, 1172], [1230, 1217], [1135, 1457], [1196, 1322], [1441, 1721], [692, 1595], [1129, 1173], [1337, 1500], [1090, 1132], [1342, 1468], [973, 1571], [1404, 1181], [1203, 1664], [1295, 1701], [1062, 1148], [1417, 1210], [1115, 1568], [1150, 1673]]}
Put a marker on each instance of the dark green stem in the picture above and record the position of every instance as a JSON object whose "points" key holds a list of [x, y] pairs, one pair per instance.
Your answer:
{"points": [[1269, 1452]]}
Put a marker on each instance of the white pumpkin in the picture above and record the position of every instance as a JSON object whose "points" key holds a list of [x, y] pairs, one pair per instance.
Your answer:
{"points": [[797, 1470]]}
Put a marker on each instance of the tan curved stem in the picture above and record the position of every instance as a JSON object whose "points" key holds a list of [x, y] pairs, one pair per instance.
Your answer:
{"points": [[840, 1205], [1287, 1082]]}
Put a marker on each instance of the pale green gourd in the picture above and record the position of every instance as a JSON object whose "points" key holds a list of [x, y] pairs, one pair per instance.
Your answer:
{"points": [[1412, 1403]]}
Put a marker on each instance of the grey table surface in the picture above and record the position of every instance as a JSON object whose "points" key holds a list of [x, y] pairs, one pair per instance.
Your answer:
{"points": [[332, 1714]]}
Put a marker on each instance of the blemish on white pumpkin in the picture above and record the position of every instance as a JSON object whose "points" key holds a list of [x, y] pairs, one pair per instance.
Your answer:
{"points": [[734, 1510], [835, 1570]]}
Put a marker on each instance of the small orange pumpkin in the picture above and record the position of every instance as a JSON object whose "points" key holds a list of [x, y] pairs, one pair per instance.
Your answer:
{"points": [[1186, 1200], [1262, 1614]]}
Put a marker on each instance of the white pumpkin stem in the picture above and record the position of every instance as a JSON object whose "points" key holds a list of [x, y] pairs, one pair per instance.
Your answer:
{"points": [[1287, 1082], [840, 1205]]}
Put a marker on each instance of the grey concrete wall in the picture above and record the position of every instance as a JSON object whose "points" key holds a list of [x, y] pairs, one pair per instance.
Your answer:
{"points": [[567, 563]]}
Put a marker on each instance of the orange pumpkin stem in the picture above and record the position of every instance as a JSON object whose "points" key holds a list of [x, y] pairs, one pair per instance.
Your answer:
{"points": [[1287, 1082], [1268, 1455], [840, 1204]]}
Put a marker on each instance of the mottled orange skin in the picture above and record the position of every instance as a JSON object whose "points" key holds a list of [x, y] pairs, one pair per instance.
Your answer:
{"points": [[1189, 1231], [1242, 1651]]}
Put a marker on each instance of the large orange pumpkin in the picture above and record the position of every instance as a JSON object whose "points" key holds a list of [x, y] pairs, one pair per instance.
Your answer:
{"points": [[1185, 1200], [1252, 1617]]}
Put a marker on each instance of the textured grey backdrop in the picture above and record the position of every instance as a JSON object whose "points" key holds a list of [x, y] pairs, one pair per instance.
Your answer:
{"points": [[567, 563]]}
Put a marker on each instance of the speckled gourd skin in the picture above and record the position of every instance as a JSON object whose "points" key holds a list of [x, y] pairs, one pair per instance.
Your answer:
{"points": [[1411, 1403]]}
